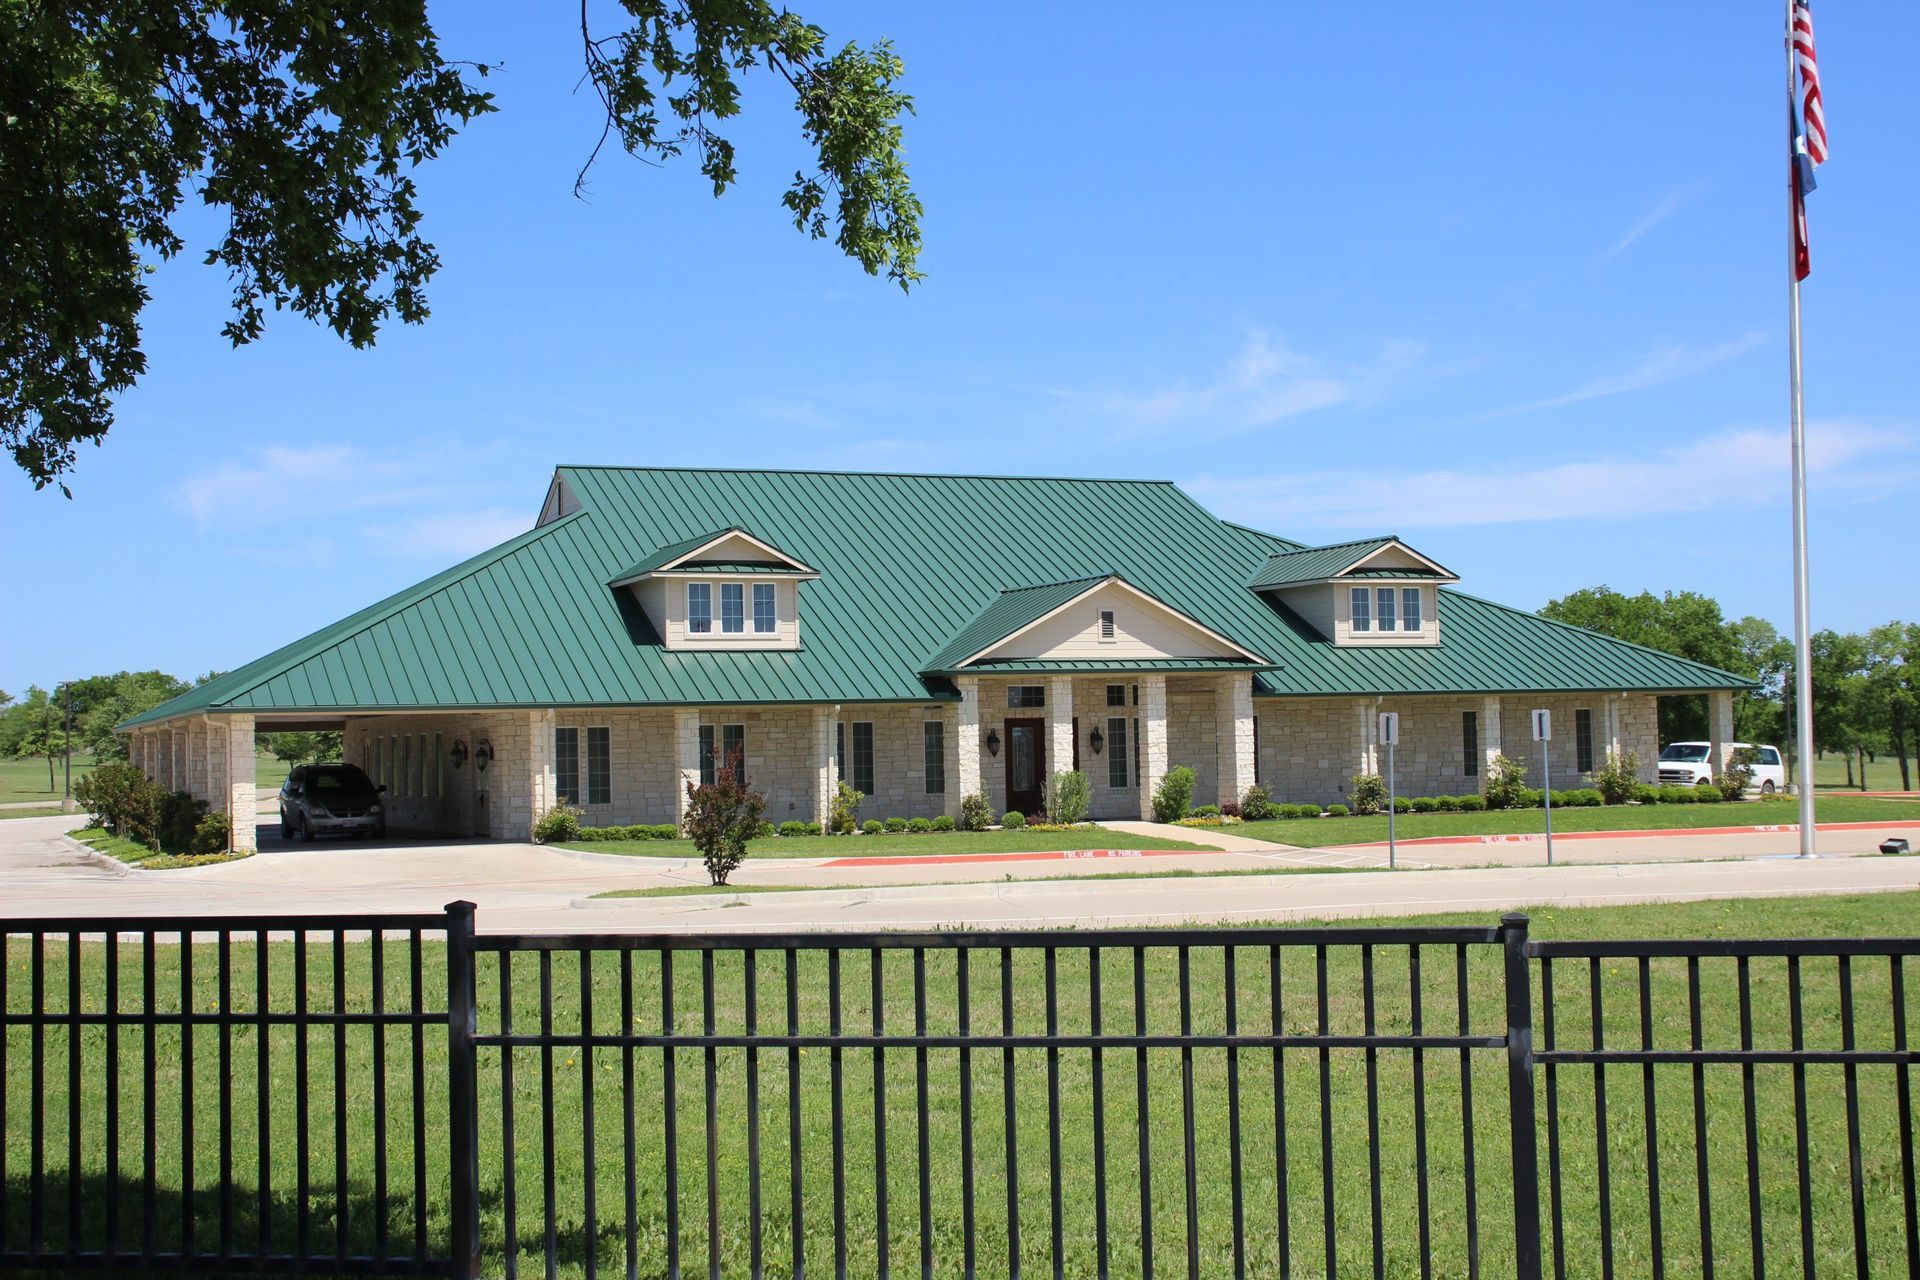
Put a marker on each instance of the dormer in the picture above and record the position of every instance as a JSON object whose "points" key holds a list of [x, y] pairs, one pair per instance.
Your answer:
{"points": [[1093, 623], [1379, 591], [726, 590]]}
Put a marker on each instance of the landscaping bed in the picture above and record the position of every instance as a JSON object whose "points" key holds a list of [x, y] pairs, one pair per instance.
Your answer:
{"points": [[1024, 840], [146, 859]]}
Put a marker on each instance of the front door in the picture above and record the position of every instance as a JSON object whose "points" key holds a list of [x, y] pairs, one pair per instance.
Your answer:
{"points": [[1026, 765]]}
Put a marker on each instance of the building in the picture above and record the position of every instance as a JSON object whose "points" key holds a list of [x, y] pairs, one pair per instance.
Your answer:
{"points": [[923, 637]]}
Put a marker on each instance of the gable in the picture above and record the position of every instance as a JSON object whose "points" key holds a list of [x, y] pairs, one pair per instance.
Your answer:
{"points": [[1143, 628]]}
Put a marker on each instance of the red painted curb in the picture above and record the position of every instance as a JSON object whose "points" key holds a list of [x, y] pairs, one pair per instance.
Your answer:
{"points": [[1037, 855], [1539, 837]]}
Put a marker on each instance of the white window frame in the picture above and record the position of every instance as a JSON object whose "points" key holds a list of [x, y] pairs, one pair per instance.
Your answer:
{"points": [[733, 608], [772, 596], [1413, 613], [700, 622], [1386, 610], [1360, 606]]}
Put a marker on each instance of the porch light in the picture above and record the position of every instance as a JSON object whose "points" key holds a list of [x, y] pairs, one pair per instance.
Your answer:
{"points": [[1098, 741], [993, 742], [482, 753], [459, 753]]}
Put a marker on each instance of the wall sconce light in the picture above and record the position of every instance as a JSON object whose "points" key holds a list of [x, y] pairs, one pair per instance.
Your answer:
{"points": [[482, 754], [1098, 741], [459, 753], [993, 742]]}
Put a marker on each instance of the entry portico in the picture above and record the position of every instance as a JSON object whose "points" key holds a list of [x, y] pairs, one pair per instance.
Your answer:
{"points": [[924, 638]]}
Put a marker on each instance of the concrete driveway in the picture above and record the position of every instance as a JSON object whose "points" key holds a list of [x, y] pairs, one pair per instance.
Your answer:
{"points": [[524, 887]]}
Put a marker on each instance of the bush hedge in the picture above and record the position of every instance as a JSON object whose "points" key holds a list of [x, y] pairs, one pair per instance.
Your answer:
{"points": [[1013, 819], [1336, 811]]}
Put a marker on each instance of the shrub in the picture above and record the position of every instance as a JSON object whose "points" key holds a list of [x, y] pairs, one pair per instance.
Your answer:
{"points": [[123, 800], [1708, 795], [1207, 811], [1471, 804], [1230, 810], [1679, 795], [721, 817], [1736, 776], [1069, 797], [1402, 805], [1443, 804], [896, 825], [1532, 797], [1337, 811], [1173, 798], [1423, 804], [1013, 819], [975, 813], [795, 828], [764, 830], [943, 823], [557, 825], [213, 835], [664, 831], [1369, 793], [1257, 805], [1618, 777], [1506, 782], [846, 809], [1588, 798], [873, 826], [1647, 793], [919, 826], [179, 817]]}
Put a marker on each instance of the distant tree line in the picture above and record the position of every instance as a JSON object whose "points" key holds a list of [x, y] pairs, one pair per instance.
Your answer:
{"points": [[1866, 686]]}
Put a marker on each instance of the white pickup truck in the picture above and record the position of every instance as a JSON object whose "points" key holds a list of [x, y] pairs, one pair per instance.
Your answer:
{"points": [[1690, 764]]}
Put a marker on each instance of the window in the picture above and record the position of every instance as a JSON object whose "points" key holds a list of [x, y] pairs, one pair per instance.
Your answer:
{"points": [[1583, 740], [934, 739], [1256, 751], [699, 607], [1409, 608], [1470, 744], [706, 755], [862, 756], [566, 764], [1362, 599], [1026, 695], [840, 751], [439, 769], [1384, 602], [763, 615], [733, 607], [379, 758], [1116, 695], [599, 766], [1766, 756], [1117, 751], [1106, 624], [421, 775], [733, 750], [405, 767]]}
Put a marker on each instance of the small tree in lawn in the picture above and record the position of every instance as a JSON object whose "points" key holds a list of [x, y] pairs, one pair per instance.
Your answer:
{"points": [[722, 816]]}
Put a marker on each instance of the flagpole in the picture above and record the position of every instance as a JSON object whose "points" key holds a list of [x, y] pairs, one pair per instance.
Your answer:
{"points": [[1802, 615]]}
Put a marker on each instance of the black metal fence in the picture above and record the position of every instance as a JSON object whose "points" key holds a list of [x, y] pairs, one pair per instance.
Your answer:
{"points": [[351, 1093]]}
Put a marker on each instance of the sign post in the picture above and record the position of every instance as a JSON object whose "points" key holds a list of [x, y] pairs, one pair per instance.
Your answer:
{"points": [[1543, 734], [1390, 735]]}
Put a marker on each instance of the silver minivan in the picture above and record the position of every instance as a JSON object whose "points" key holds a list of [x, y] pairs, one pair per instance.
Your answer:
{"points": [[331, 799]]}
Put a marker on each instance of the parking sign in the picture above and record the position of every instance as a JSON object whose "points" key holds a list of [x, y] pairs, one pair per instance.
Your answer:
{"points": [[1542, 725], [1389, 728]]}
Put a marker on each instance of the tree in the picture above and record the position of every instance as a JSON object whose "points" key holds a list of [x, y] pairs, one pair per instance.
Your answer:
{"points": [[1890, 690], [722, 816], [303, 123], [301, 748]]}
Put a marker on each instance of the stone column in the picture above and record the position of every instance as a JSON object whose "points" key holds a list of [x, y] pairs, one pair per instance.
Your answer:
{"points": [[1490, 734], [543, 788], [242, 798], [1153, 739], [686, 753], [825, 782], [217, 771], [1059, 730], [1365, 728], [1233, 735], [1613, 725], [1720, 728], [963, 746]]}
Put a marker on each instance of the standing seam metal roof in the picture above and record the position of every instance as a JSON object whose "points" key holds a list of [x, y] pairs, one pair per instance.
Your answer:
{"points": [[906, 563]]}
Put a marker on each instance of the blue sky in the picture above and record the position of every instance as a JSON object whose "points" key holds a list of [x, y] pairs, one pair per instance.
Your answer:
{"points": [[1503, 281]]}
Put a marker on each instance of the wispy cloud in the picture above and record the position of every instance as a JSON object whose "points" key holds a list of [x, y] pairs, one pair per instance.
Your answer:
{"points": [[1265, 383], [1668, 364], [1741, 468], [1669, 205]]}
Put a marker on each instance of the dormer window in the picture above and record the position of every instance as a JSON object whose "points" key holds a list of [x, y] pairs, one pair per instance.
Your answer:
{"points": [[1384, 599], [733, 607], [675, 586], [1363, 608], [763, 608], [699, 607], [1410, 608], [1376, 592]]}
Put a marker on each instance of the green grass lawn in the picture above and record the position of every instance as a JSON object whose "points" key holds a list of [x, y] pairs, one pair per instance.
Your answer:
{"points": [[840, 1093], [1319, 832], [51, 811], [1882, 774], [932, 843], [146, 859], [27, 779]]}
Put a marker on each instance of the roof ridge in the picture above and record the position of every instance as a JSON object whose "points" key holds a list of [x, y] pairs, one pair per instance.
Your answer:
{"points": [[878, 475], [1335, 546]]}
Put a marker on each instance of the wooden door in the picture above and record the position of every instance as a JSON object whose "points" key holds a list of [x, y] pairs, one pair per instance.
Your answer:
{"points": [[1026, 765]]}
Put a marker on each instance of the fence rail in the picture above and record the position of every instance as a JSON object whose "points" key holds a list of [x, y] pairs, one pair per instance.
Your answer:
{"points": [[394, 1093]]}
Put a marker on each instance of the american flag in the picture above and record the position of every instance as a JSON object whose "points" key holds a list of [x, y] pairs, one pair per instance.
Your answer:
{"points": [[1807, 124]]}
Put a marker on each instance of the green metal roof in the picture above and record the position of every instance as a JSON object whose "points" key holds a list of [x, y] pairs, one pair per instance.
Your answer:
{"points": [[1317, 564], [764, 567], [1011, 610], [906, 564], [674, 553], [1088, 666]]}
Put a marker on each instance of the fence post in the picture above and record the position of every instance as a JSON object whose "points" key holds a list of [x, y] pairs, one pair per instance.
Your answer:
{"points": [[463, 1090], [1521, 1121]]}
